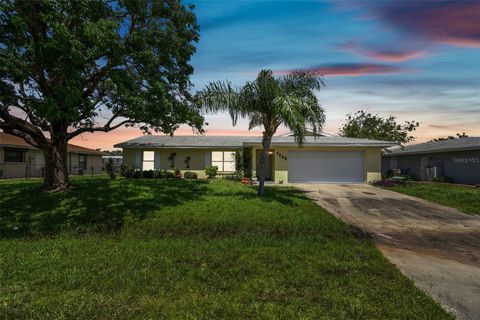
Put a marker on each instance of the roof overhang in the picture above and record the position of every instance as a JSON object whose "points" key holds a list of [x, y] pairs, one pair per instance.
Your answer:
{"points": [[411, 153], [294, 144], [146, 146]]}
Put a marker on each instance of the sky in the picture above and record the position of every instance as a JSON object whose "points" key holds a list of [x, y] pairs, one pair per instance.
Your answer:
{"points": [[416, 60]]}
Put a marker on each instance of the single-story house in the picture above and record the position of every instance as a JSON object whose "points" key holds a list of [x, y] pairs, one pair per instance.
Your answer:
{"points": [[18, 159], [326, 159], [456, 159]]}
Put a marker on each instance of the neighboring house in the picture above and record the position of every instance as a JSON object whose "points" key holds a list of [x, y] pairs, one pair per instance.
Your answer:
{"points": [[321, 159], [18, 159], [457, 159]]}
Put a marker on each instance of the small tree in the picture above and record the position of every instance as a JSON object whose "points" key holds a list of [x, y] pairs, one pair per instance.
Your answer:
{"points": [[171, 158], [270, 102], [187, 162], [67, 65], [368, 126], [110, 168]]}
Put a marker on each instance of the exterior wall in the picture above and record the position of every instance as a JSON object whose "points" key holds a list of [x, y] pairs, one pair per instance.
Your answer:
{"points": [[94, 164], [73, 163], [460, 166], [199, 159], [373, 164], [372, 160], [129, 156]]}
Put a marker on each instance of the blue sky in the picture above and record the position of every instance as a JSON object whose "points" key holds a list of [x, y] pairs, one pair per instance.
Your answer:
{"points": [[371, 55], [417, 60]]}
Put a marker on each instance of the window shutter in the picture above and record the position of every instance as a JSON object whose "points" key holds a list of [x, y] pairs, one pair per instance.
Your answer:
{"points": [[157, 160], [138, 159]]}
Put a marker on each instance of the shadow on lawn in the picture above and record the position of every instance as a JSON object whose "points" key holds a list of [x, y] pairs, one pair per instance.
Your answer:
{"points": [[95, 205], [283, 195]]}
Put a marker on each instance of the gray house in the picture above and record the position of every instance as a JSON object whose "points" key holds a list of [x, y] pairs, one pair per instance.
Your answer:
{"points": [[456, 159]]}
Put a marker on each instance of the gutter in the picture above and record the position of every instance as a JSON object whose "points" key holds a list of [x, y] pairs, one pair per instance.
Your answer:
{"points": [[409, 153]]}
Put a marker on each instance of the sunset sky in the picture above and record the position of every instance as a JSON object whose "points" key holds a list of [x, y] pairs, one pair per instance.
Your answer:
{"points": [[415, 60]]}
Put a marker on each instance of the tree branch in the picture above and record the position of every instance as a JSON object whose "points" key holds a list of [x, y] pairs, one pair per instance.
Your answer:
{"points": [[23, 129], [106, 128]]}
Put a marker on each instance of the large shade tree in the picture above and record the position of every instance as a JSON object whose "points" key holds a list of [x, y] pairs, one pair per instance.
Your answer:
{"points": [[70, 67], [270, 102], [371, 126]]}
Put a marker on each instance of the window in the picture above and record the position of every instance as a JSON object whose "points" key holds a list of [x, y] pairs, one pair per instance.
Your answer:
{"points": [[82, 161], [224, 160], [148, 160], [14, 155]]}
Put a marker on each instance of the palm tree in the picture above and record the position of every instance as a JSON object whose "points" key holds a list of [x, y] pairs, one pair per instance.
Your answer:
{"points": [[270, 102]]}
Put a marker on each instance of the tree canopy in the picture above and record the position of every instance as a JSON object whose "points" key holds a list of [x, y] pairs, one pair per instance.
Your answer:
{"points": [[457, 136], [69, 67], [366, 125]]}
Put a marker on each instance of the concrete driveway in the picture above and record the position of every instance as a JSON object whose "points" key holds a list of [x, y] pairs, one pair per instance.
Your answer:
{"points": [[436, 246]]}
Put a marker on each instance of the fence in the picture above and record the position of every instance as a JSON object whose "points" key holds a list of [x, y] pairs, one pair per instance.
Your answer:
{"points": [[429, 173], [26, 170]]}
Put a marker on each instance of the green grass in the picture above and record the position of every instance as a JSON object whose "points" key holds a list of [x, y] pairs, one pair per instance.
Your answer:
{"points": [[156, 249], [462, 198]]}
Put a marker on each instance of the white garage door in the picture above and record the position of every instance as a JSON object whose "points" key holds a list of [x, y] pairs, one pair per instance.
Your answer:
{"points": [[326, 166]]}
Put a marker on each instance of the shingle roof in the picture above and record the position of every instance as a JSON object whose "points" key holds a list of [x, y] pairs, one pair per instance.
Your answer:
{"points": [[240, 141], [8, 140], [469, 143]]}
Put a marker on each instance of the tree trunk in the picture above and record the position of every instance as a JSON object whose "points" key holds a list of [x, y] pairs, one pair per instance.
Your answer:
{"points": [[266, 141], [56, 170]]}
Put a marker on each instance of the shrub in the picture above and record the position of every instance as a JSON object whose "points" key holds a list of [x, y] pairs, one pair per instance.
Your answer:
{"points": [[137, 174], [160, 174], [211, 171], [169, 174], [126, 170], [383, 183], [237, 176], [110, 169], [190, 175], [148, 174], [442, 179]]}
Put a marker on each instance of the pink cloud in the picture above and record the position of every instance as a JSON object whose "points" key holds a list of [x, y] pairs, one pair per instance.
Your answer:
{"points": [[456, 23], [349, 69], [390, 55]]}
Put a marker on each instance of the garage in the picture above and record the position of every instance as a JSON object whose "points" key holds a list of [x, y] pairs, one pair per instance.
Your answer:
{"points": [[326, 166]]}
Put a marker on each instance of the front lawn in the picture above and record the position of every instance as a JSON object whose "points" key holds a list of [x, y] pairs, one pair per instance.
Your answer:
{"points": [[162, 249], [462, 198]]}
